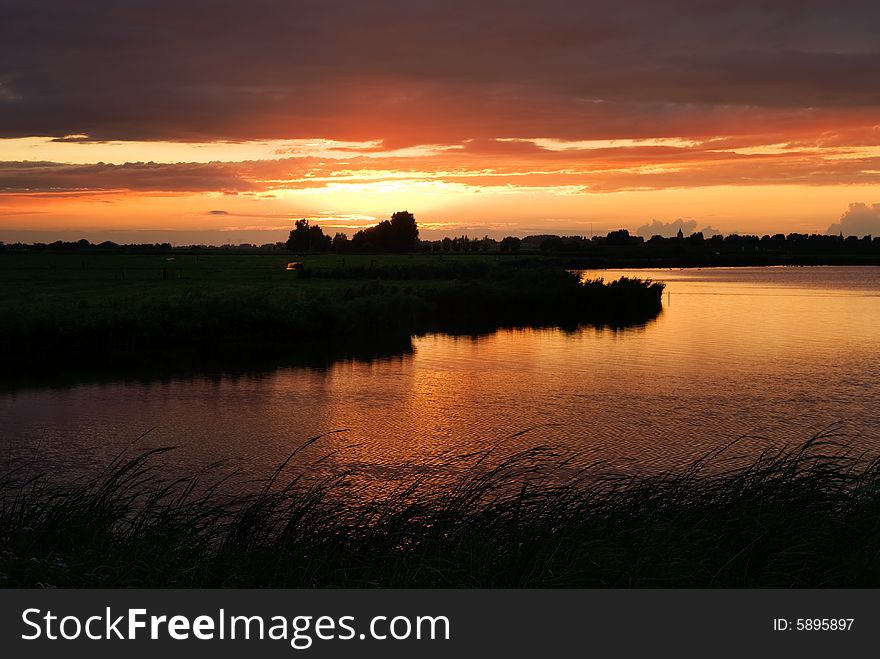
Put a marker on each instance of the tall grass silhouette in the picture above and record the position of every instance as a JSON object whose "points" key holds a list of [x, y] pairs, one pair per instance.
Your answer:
{"points": [[806, 515]]}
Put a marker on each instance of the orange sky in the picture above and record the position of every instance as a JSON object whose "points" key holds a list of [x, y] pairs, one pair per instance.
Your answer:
{"points": [[116, 123]]}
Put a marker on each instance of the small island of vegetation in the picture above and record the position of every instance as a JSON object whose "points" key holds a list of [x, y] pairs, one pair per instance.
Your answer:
{"points": [[87, 304]]}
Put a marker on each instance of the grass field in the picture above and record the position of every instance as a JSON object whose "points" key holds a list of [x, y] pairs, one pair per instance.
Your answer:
{"points": [[805, 516], [55, 306]]}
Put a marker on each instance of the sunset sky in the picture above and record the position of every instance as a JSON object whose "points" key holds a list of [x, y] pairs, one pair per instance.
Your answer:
{"points": [[223, 122]]}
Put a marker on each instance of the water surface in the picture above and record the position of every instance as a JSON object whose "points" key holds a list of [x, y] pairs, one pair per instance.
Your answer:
{"points": [[773, 352]]}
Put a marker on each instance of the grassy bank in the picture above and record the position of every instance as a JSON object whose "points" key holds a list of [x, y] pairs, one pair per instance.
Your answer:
{"points": [[58, 306], [800, 517]]}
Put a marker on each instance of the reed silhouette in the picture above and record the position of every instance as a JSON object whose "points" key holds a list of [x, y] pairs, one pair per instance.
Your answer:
{"points": [[799, 516]]}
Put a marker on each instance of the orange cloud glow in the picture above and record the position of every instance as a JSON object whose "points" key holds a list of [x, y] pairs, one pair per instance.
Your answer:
{"points": [[749, 116]]}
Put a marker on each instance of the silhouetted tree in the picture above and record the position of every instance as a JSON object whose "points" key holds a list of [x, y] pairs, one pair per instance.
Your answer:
{"points": [[551, 244], [400, 234], [307, 237], [404, 232], [619, 237], [510, 244], [340, 242]]}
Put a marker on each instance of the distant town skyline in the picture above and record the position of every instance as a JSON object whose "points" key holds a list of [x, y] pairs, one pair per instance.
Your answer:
{"points": [[205, 122]]}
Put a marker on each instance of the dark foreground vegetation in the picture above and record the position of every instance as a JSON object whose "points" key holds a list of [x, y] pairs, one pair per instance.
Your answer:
{"points": [[800, 517], [57, 309]]}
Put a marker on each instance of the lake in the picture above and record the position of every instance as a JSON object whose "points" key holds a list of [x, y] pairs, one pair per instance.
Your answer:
{"points": [[775, 353]]}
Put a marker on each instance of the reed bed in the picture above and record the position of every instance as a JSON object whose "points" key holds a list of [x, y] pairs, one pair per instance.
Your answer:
{"points": [[806, 515], [94, 314]]}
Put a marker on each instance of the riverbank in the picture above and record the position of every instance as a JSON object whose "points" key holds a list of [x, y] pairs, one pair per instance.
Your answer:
{"points": [[804, 516], [68, 308]]}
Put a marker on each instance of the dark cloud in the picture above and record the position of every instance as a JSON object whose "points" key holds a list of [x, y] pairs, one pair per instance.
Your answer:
{"points": [[860, 219], [506, 147], [781, 170], [77, 139], [36, 177], [417, 71], [257, 236], [490, 163], [218, 213]]}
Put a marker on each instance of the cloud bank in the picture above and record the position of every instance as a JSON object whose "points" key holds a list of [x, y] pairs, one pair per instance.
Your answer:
{"points": [[432, 72], [670, 229], [860, 219]]}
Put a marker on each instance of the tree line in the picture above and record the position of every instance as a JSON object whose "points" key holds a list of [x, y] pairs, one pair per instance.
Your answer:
{"points": [[399, 234], [792, 242]]}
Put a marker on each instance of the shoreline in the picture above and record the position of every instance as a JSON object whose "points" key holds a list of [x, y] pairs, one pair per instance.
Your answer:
{"points": [[71, 311]]}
